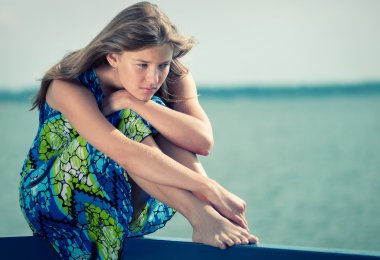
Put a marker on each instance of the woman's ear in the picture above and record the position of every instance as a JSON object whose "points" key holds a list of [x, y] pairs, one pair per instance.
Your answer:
{"points": [[112, 59]]}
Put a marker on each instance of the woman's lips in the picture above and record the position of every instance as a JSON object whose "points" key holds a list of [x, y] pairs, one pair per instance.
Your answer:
{"points": [[149, 90]]}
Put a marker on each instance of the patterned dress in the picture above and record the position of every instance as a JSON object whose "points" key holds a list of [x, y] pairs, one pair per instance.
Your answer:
{"points": [[78, 198]]}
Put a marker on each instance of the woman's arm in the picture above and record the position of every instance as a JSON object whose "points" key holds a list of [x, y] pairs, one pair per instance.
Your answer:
{"points": [[80, 108], [186, 125]]}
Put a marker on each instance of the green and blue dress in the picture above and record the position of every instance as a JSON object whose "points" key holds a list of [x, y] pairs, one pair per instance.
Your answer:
{"points": [[78, 198]]}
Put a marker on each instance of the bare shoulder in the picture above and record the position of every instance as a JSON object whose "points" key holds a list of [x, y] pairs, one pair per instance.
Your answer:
{"points": [[80, 108], [64, 91]]}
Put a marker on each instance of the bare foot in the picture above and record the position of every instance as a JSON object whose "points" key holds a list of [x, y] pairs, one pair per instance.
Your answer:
{"points": [[210, 228], [228, 204]]}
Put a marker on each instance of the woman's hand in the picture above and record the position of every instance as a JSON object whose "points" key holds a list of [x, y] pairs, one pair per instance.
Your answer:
{"points": [[120, 99], [227, 204]]}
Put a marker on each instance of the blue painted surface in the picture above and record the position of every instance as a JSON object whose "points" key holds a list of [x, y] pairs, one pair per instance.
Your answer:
{"points": [[157, 248]]}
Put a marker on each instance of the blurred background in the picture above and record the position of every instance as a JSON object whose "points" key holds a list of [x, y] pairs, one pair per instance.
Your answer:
{"points": [[292, 89]]}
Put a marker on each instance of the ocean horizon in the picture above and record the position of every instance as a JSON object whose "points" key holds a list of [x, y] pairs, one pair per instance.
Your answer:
{"points": [[210, 91]]}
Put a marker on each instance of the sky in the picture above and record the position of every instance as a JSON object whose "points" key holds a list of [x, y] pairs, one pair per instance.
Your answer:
{"points": [[241, 42]]}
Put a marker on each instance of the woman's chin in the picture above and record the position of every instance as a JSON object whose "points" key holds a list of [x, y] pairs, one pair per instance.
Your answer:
{"points": [[144, 95], [145, 98]]}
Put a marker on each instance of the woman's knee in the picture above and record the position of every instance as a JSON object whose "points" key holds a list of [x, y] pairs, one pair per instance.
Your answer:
{"points": [[132, 125]]}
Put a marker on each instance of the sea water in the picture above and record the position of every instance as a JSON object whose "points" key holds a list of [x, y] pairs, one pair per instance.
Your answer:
{"points": [[307, 166]]}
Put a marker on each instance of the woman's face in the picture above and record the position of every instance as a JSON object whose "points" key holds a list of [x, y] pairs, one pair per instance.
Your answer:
{"points": [[142, 72]]}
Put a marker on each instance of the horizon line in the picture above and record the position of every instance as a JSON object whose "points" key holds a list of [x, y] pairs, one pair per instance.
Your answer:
{"points": [[274, 86], [242, 91]]}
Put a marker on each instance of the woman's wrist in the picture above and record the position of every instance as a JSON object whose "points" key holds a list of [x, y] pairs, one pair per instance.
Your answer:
{"points": [[132, 103], [135, 104], [127, 101], [124, 102]]}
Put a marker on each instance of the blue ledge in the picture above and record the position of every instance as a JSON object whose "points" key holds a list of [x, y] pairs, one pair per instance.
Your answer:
{"points": [[162, 248]]}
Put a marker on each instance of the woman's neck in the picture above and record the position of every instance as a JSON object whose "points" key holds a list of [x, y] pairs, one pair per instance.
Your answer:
{"points": [[108, 79]]}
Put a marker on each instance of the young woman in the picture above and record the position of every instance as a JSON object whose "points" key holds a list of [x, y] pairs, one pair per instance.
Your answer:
{"points": [[111, 160]]}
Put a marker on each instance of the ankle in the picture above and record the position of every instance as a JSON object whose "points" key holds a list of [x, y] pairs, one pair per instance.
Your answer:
{"points": [[199, 213]]}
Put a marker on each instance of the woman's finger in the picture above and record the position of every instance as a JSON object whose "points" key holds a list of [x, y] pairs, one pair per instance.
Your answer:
{"points": [[239, 221]]}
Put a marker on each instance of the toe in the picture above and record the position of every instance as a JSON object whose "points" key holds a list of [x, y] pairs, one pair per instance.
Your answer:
{"points": [[244, 240], [221, 244], [237, 240], [252, 239], [229, 242]]}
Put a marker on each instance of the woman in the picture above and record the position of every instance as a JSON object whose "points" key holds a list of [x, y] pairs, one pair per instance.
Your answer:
{"points": [[98, 171]]}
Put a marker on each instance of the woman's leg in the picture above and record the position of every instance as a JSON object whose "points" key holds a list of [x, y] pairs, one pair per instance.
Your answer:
{"points": [[182, 156], [209, 227], [190, 160], [179, 154]]}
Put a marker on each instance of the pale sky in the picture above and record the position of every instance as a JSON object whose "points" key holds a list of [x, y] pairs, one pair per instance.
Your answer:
{"points": [[274, 42]]}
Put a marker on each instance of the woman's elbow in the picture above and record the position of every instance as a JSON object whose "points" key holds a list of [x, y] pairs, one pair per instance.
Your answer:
{"points": [[205, 147]]}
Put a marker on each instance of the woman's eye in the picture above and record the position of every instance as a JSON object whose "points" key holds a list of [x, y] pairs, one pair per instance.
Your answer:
{"points": [[164, 65], [142, 65]]}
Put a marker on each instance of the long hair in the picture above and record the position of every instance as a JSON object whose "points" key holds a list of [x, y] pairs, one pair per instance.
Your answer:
{"points": [[137, 27]]}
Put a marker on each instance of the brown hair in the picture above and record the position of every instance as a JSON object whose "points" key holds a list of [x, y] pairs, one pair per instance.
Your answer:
{"points": [[137, 27]]}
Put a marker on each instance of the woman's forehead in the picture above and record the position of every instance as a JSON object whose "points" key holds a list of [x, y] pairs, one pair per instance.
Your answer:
{"points": [[159, 53]]}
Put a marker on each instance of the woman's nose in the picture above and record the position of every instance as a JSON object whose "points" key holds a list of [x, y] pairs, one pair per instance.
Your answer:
{"points": [[153, 76]]}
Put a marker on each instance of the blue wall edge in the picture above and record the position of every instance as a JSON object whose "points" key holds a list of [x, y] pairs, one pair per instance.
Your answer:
{"points": [[28, 247]]}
